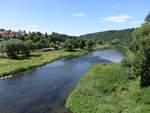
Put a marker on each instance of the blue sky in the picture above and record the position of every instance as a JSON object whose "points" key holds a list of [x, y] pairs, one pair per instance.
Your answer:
{"points": [[73, 17]]}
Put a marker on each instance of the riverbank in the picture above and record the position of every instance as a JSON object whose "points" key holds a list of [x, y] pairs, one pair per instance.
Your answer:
{"points": [[8, 66], [106, 88], [100, 47], [36, 59]]}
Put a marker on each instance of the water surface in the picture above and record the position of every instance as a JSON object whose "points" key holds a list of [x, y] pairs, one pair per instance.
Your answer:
{"points": [[45, 89]]}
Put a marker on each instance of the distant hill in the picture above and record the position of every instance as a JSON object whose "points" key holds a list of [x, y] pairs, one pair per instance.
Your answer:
{"points": [[110, 35]]}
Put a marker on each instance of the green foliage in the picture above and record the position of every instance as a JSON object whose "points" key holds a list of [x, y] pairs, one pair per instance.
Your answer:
{"points": [[2, 47], [69, 45], [13, 47], [55, 37], [43, 43], [81, 43], [105, 88], [147, 19], [27, 47], [110, 35], [99, 42], [141, 47], [115, 42], [89, 45], [35, 37], [128, 62]]}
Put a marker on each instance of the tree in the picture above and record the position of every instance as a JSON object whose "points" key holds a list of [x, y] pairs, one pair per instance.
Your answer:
{"points": [[81, 43], [12, 47], [141, 48], [2, 47], [35, 37], [89, 45], [27, 47], [147, 19], [100, 42], [75, 43], [44, 43], [115, 42], [69, 45]]}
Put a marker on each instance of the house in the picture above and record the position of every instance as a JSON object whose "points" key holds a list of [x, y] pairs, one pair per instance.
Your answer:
{"points": [[9, 34]]}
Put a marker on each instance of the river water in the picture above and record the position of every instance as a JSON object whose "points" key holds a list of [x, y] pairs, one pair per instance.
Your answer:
{"points": [[45, 89]]}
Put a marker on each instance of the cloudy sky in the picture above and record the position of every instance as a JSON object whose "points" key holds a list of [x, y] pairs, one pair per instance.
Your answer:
{"points": [[72, 17]]}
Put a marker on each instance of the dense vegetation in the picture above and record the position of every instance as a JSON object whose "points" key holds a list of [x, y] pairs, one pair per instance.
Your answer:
{"points": [[147, 19], [106, 88], [32, 41], [117, 88], [110, 35]]}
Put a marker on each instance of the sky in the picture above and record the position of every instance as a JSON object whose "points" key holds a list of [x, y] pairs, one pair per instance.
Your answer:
{"points": [[72, 17]]}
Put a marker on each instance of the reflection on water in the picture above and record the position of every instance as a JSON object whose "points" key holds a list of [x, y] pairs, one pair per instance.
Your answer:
{"points": [[45, 89], [110, 55]]}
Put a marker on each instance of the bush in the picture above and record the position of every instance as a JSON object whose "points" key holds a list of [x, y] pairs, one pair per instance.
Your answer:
{"points": [[69, 45], [27, 47], [95, 91], [141, 47], [13, 47]]}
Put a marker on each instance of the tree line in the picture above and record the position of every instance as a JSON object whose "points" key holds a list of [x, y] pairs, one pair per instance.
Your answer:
{"points": [[139, 60], [110, 35], [36, 40]]}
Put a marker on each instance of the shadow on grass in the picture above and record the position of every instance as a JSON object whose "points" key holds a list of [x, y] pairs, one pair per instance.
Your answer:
{"points": [[3, 57], [27, 57], [72, 50], [21, 57]]}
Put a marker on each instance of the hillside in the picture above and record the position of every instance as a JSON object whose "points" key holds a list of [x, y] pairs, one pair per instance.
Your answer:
{"points": [[110, 35]]}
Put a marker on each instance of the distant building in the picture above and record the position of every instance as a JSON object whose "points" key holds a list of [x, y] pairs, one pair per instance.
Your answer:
{"points": [[9, 34]]}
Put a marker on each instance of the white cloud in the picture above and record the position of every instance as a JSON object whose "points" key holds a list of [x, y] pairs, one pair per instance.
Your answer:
{"points": [[117, 19], [79, 14], [34, 27]]}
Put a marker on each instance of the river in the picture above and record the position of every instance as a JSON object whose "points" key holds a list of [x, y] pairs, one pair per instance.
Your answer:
{"points": [[45, 89]]}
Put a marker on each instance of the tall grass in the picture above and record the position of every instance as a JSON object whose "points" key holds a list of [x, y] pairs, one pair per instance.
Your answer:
{"points": [[105, 88]]}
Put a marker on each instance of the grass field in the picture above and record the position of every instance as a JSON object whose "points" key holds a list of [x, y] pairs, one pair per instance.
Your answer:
{"points": [[105, 88], [38, 58], [100, 46]]}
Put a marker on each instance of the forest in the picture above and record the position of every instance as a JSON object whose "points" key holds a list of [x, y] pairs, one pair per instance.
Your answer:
{"points": [[36, 40], [110, 35]]}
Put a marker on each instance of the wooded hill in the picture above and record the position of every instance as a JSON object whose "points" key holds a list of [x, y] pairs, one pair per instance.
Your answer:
{"points": [[110, 35]]}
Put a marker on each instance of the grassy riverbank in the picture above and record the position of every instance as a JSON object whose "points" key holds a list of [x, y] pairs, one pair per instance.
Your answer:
{"points": [[105, 88], [100, 46], [38, 58]]}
